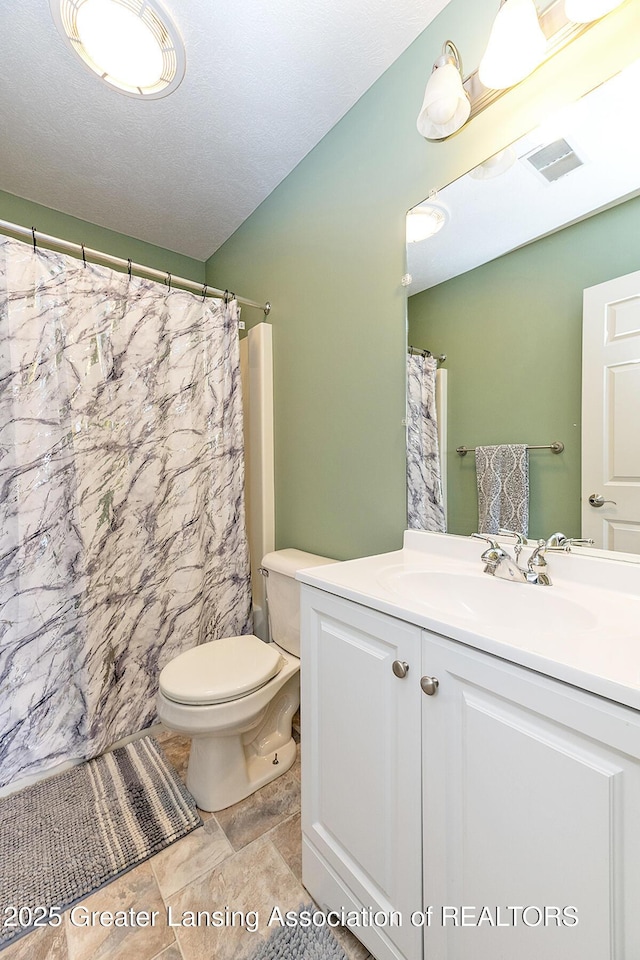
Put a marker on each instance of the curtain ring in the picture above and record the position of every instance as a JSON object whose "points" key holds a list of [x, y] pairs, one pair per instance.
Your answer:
{"points": [[84, 259], [169, 280], [226, 297], [33, 234], [204, 293], [129, 267]]}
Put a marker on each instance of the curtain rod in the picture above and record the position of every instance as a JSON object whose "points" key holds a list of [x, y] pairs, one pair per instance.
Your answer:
{"points": [[422, 351], [79, 250]]}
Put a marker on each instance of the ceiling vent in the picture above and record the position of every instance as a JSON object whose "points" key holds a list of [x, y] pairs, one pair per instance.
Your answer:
{"points": [[553, 161]]}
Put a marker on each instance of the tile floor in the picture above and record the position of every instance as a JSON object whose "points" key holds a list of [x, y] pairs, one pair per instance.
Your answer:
{"points": [[247, 857]]}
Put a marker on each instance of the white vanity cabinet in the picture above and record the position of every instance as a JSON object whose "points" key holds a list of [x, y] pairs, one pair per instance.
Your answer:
{"points": [[361, 767], [502, 790], [531, 799]]}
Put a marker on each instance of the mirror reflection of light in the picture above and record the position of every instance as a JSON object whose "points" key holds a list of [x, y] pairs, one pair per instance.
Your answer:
{"points": [[119, 43], [425, 221], [611, 107], [556, 125], [496, 165]]}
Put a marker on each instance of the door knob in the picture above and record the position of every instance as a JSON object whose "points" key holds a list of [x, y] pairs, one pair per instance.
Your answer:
{"points": [[400, 668], [429, 685], [597, 500]]}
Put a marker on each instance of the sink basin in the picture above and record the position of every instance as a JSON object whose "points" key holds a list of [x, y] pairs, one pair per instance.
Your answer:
{"points": [[479, 598]]}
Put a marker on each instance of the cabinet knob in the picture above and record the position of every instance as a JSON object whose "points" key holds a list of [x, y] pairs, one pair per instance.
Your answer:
{"points": [[400, 668], [429, 685]]}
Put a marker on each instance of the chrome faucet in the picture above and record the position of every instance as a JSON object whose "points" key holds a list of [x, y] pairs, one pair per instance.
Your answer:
{"points": [[497, 561]]}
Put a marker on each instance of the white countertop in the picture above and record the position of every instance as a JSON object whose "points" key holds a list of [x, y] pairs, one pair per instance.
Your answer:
{"points": [[583, 630]]}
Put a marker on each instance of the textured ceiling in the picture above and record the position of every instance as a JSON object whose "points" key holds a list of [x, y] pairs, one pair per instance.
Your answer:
{"points": [[265, 81]]}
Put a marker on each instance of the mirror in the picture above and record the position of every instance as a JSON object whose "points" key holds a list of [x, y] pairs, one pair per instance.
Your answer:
{"points": [[498, 289]]}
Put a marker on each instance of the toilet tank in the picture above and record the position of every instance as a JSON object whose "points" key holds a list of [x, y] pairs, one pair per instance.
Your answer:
{"points": [[283, 594]]}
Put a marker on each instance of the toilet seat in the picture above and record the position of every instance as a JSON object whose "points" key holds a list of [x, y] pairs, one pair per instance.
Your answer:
{"points": [[220, 671]]}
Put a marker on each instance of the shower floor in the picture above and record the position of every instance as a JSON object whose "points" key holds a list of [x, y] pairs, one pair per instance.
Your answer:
{"points": [[246, 858]]}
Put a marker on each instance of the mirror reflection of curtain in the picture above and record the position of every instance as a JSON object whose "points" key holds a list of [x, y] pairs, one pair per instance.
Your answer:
{"points": [[425, 509], [122, 533]]}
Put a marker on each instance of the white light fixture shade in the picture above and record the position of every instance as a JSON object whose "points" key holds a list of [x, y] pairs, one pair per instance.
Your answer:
{"points": [[516, 46], [584, 11], [446, 106], [425, 221], [132, 45]]}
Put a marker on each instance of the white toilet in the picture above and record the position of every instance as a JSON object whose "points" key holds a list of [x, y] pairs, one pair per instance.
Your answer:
{"points": [[235, 697]]}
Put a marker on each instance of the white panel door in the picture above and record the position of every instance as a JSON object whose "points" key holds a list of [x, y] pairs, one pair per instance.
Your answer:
{"points": [[539, 787], [361, 756], [611, 413]]}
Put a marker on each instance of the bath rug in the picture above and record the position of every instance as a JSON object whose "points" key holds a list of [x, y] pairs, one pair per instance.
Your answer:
{"points": [[314, 942], [64, 838]]}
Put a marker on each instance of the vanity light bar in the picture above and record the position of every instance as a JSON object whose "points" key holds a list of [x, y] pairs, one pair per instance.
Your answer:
{"points": [[558, 30]]}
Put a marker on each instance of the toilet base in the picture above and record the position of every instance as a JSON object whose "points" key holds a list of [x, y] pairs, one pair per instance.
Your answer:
{"points": [[225, 769], [212, 797]]}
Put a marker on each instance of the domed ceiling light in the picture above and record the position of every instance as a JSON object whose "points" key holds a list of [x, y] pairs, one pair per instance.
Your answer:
{"points": [[584, 11], [130, 44], [446, 105], [516, 45]]}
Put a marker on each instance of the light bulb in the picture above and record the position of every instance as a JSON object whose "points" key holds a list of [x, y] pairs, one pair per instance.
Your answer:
{"points": [[516, 45], [584, 11], [119, 43]]}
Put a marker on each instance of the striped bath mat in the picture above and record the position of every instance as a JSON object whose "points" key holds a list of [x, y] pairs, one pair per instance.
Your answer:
{"points": [[65, 837]]}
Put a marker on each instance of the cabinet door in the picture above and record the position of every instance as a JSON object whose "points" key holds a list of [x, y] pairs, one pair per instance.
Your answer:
{"points": [[531, 800], [361, 756]]}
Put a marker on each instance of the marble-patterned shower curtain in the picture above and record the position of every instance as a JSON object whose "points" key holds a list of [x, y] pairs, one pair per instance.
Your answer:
{"points": [[425, 509], [122, 532]]}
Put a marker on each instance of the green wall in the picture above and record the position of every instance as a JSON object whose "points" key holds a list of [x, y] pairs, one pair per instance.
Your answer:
{"points": [[512, 333], [25, 213], [327, 249]]}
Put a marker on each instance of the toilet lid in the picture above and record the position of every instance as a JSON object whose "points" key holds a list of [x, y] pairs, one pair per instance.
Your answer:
{"points": [[220, 670]]}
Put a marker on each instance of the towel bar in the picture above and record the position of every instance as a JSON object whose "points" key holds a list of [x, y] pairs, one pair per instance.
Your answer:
{"points": [[556, 447]]}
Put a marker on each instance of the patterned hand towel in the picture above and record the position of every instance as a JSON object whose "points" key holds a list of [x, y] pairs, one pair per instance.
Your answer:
{"points": [[503, 488]]}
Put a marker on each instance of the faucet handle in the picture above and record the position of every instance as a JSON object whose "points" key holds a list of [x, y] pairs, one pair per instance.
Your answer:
{"points": [[556, 541], [494, 551], [522, 540], [492, 543], [567, 542], [537, 557], [493, 554]]}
